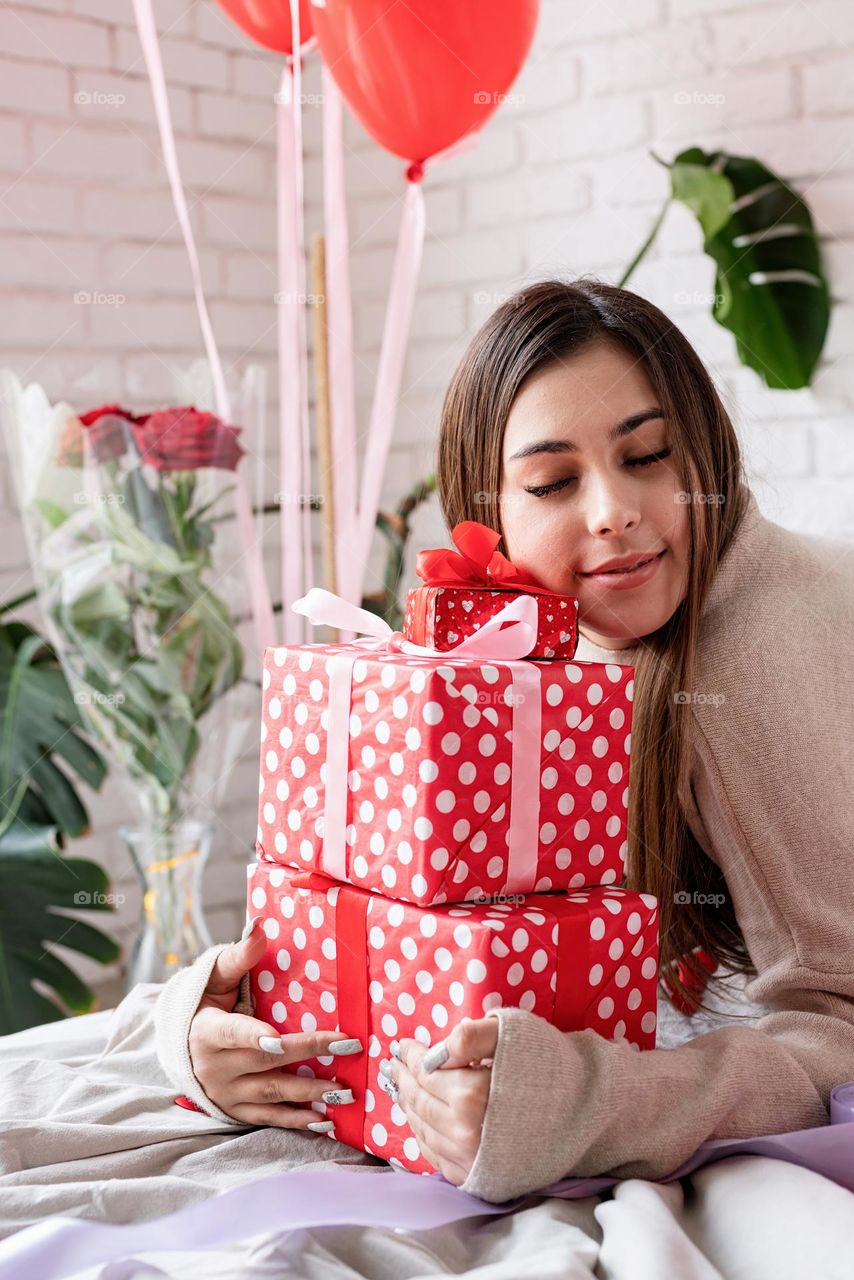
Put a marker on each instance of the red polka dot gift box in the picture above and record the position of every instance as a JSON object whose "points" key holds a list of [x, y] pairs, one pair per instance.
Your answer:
{"points": [[465, 587], [444, 778], [342, 958]]}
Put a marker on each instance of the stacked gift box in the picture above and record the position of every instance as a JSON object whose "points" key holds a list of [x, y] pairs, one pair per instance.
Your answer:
{"points": [[442, 830]]}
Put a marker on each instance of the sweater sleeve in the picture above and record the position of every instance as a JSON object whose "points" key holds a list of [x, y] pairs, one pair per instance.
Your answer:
{"points": [[174, 1011], [592, 1107]]}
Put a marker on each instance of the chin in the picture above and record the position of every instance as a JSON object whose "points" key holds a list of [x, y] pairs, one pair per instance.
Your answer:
{"points": [[625, 631]]}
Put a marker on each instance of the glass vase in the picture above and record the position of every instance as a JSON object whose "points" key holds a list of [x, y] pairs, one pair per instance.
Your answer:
{"points": [[169, 861]]}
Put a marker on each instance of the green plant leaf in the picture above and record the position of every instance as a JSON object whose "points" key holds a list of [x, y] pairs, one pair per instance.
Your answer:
{"points": [[39, 723], [36, 882], [770, 288], [707, 193]]}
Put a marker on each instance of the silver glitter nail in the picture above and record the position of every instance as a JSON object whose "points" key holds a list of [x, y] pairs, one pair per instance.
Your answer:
{"points": [[345, 1046], [320, 1126], [390, 1088], [337, 1097], [250, 925], [435, 1057], [270, 1044], [385, 1069]]}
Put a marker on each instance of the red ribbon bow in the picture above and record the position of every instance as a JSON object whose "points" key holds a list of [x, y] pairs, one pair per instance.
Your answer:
{"points": [[475, 563], [696, 985]]}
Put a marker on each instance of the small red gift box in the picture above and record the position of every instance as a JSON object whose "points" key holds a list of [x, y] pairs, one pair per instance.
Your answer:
{"points": [[341, 958], [463, 588], [441, 779]]}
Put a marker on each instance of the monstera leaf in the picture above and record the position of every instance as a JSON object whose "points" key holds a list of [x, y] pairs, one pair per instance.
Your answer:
{"points": [[36, 882], [770, 289], [40, 724]]}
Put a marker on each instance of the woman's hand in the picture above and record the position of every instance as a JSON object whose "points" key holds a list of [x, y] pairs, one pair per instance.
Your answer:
{"points": [[238, 1059], [444, 1092]]}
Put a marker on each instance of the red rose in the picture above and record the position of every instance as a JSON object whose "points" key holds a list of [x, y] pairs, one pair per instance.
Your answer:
{"points": [[105, 430], [186, 439]]}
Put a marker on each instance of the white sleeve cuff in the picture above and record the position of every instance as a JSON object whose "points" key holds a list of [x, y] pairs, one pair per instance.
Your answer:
{"points": [[173, 1012]]}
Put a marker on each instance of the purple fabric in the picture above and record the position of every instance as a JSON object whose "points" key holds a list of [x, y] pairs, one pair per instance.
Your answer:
{"points": [[58, 1247]]}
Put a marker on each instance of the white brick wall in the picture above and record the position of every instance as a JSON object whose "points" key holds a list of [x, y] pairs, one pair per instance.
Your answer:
{"points": [[561, 181]]}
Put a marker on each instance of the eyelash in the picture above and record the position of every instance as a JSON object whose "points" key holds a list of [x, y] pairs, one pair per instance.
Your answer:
{"points": [[542, 490]]}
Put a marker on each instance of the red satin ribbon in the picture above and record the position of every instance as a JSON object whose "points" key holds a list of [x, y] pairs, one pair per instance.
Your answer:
{"points": [[475, 563], [351, 959], [573, 964]]}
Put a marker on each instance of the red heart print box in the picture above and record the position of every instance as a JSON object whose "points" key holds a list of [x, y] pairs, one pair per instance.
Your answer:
{"points": [[465, 586], [442, 616]]}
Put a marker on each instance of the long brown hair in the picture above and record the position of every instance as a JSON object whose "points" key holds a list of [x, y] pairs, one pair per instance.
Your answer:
{"points": [[550, 321]]}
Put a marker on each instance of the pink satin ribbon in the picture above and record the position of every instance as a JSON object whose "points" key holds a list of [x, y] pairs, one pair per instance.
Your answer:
{"points": [[294, 430], [384, 409], [262, 609], [339, 313], [505, 638]]}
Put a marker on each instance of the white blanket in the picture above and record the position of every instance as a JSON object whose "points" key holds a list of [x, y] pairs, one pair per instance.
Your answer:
{"points": [[88, 1129]]}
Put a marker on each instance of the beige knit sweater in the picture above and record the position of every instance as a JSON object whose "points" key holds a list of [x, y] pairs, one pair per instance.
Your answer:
{"points": [[772, 802]]}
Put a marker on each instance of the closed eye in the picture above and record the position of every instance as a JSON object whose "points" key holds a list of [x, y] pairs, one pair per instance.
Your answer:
{"points": [[542, 490]]}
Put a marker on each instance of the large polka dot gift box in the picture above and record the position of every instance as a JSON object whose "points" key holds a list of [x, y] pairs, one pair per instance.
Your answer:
{"points": [[343, 959], [444, 779], [442, 616], [464, 587]]}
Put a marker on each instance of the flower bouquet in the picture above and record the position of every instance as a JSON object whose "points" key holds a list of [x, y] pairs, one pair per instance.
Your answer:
{"points": [[141, 600]]}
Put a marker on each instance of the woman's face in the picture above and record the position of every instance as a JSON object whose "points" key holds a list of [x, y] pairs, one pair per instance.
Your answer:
{"points": [[573, 498]]}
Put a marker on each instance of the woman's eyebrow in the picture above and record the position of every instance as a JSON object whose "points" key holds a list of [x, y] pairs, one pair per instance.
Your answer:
{"points": [[566, 446]]}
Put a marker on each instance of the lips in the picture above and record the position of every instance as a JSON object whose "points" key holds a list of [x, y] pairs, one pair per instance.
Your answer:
{"points": [[625, 568]]}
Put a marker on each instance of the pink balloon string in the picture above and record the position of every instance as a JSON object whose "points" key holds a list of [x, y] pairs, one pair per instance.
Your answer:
{"points": [[384, 410], [340, 341], [262, 609]]}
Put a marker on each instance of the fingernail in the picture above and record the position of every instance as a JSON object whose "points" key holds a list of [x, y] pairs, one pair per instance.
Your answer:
{"points": [[389, 1087], [250, 925], [320, 1126], [337, 1097], [270, 1044], [345, 1046], [435, 1057], [385, 1070], [394, 1050]]}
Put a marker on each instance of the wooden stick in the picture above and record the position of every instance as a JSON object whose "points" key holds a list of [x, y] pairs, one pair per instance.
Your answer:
{"points": [[324, 415]]}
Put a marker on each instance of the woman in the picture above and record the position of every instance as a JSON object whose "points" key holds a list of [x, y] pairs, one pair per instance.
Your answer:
{"points": [[583, 426]]}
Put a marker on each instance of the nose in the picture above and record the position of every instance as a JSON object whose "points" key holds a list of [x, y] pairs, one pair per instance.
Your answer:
{"points": [[612, 508]]}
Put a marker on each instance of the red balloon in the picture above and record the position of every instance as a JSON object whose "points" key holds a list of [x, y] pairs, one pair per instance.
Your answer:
{"points": [[423, 74], [268, 22]]}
